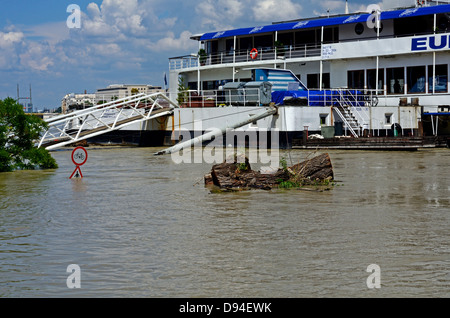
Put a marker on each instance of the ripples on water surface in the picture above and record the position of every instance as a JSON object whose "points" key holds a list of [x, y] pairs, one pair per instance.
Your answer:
{"points": [[139, 225]]}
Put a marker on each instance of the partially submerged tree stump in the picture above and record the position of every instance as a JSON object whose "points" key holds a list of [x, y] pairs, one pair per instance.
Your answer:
{"points": [[238, 174], [317, 168]]}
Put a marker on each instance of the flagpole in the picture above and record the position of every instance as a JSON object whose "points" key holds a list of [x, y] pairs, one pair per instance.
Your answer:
{"points": [[165, 81]]}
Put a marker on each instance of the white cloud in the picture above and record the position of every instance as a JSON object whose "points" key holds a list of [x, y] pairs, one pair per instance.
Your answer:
{"points": [[37, 57], [334, 6], [384, 5], [228, 14], [113, 19], [170, 42], [53, 32], [275, 10], [109, 49], [10, 38], [219, 14], [392, 4], [10, 43], [94, 10]]}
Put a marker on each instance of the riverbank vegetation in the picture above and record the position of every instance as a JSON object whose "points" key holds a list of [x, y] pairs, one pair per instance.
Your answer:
{"points": [[18, 134]]}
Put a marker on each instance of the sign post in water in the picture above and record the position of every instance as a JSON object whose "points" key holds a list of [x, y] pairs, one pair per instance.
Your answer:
{"points": [[79, 158]]}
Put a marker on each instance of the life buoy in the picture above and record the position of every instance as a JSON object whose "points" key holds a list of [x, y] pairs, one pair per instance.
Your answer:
{"points": [[253, 54]]}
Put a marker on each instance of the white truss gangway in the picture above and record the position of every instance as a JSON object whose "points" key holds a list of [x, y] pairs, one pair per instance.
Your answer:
{"points": [[97, 120]]}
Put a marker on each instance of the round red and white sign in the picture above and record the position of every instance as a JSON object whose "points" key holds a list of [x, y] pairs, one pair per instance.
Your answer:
{"points": [[79, 156]]}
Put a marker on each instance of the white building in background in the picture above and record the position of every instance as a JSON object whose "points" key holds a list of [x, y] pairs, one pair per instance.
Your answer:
{"points": [[118, 91], [74, 101]]}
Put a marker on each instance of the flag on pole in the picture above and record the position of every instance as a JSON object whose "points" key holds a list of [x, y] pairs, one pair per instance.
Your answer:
{"points": [[165, 80]]}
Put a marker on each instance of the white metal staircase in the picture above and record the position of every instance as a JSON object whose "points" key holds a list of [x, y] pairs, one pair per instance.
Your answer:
{"points": [[351, 111], [100, 119]]}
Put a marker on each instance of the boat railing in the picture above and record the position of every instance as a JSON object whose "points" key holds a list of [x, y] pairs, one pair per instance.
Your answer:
{"points": [[357, 101], [353, 107], [183, 62], [344, 96], [357, 106], [244, 56], [220, 98], [347, 124]]}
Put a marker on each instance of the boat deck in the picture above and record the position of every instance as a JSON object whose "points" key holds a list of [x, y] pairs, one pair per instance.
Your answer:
{"points": [[373, 143]]}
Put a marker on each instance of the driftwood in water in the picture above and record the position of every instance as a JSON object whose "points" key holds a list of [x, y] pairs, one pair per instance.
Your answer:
{"points": [[317, 168], [235, 175]]}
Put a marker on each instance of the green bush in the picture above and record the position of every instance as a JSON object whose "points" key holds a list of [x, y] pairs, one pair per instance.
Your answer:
{"points": [[18, 134]]}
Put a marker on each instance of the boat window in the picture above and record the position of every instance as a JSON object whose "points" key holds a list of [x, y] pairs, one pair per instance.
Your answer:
{"points": [[416, 79], [330, 35], [212, 47], [305, 37], [443, 23], [313, 80], [192, 85], [286, 38], [395, 80], [359, 28], [264, 41], [323, 119], [381, 28], [245, 43], [372, 79], [413, 25], [388, 118], [355, 79], [441, 78], [229, 46]]}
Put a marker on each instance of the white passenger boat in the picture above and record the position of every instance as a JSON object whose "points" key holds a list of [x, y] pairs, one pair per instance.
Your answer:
{"points": [[379, 73], [374, 74]]}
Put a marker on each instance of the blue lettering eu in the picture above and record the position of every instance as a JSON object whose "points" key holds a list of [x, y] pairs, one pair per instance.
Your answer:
{"points": [[437, 47], [419, 44]]}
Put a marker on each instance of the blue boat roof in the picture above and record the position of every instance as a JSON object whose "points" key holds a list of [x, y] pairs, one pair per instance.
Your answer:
{"points": [[319, 22]]}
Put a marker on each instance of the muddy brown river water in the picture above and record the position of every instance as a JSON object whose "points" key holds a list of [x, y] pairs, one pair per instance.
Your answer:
{"points": [[139, 225]]}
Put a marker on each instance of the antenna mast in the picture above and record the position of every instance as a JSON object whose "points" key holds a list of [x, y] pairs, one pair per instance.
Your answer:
{"points": [[27, 108]]}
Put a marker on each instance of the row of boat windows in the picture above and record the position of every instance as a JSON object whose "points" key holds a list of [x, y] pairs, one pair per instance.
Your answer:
{"points": [[401, 80], [300, 38]]}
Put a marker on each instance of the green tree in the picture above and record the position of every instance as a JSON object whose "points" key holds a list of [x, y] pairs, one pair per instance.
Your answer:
{"points": [[18, 133], [182, 91], [202, 56]]}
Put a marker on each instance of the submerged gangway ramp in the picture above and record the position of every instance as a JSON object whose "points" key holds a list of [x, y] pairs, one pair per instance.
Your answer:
{"points": [[100, 119]]}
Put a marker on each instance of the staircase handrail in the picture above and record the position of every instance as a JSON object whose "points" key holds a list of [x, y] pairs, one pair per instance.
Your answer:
{"points": [[346, 122]]}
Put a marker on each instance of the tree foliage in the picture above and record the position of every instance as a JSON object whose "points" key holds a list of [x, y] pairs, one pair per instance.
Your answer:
{"points": [[182, 91], [18, 133]]}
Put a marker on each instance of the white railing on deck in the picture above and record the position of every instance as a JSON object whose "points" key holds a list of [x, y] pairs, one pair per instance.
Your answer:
{"points": [[219, 98], [239, 56]]}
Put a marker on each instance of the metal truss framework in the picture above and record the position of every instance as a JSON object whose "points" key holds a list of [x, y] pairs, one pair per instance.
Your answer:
{"points": [[100, 119]]}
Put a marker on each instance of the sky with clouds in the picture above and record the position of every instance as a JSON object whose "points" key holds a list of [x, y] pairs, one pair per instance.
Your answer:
{"points": [[124, 41]]}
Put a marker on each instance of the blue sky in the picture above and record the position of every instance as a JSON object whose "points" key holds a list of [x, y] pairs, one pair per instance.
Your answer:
{"points": [[123, 41]]}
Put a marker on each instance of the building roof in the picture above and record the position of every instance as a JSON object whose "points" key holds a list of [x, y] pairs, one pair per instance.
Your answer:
{"points": [[331, 21]]}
